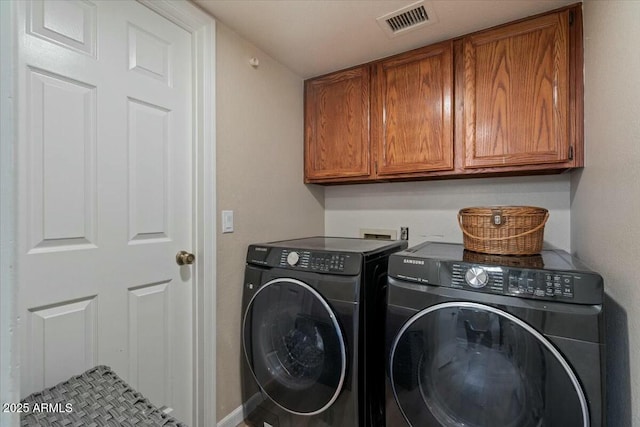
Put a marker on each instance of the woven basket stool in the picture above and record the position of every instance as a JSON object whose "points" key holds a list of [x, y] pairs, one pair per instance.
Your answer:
{"points": [[98, 397]]}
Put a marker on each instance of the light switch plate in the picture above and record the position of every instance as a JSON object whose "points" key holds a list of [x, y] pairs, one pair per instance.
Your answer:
{"points": [[227, 221]]}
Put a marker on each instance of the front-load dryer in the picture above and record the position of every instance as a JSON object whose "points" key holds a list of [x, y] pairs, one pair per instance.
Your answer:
{"points": [[479, 340], [313, 316]]}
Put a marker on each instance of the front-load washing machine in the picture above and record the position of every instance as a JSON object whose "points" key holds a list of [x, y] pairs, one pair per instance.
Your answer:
{"points": [[479, 340], [313, 316]]}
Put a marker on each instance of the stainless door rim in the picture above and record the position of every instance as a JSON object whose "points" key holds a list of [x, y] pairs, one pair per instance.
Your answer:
{"points": [[511, 317], [336, 325]]}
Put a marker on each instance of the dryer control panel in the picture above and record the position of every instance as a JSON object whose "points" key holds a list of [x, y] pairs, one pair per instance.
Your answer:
{"points": [[305, 260], [551, 285], [552, 275], [513, 281], [523, 282]]}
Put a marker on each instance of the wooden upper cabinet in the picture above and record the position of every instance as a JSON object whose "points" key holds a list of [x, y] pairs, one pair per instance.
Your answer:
{"points": [[337, 126], [503, 101], [516, 94], [411, 120]]}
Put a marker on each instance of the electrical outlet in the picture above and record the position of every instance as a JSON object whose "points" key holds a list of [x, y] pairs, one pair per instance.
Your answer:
{"points": [[404, 233]]}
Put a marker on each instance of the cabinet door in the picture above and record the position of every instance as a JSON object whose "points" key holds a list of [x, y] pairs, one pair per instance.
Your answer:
{"points": [[412, 117], [516, 94], [337, 126]]}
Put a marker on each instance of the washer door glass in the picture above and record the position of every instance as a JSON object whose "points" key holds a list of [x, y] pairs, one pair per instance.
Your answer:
{"points": [[473, 365], [294, 346]]}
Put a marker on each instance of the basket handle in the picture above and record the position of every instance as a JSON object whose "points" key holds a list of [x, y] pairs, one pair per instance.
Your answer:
{"points": [[533, 230]]}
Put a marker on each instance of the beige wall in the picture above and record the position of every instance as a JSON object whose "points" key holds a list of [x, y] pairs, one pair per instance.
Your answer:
{"points": [[430, 208], [259, 161], [259, 122], [606, 195]]}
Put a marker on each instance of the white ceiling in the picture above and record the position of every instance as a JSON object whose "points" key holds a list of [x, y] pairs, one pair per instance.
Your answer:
{"points": [[314, 37]]}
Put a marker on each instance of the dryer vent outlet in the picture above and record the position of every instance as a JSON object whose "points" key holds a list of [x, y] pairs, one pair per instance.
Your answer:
{"points": [[378, 234]]}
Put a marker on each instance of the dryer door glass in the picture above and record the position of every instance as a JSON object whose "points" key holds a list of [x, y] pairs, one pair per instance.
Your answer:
{"points": [[473, 365], [294, 346]]}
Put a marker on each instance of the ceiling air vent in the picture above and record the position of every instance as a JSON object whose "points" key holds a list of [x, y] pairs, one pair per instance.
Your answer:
{"points": [[406, 19]]}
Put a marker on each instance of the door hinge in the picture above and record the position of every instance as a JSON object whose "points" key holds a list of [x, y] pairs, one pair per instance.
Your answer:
{"points": [[571, 152], [571, 17]]}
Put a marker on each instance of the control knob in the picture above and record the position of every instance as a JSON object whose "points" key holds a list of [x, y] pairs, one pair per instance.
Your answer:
{"points": [[476, 277], [293, 258]]}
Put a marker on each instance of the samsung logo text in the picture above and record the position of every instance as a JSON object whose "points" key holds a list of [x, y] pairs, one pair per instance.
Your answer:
{"points": [[413, 261]]}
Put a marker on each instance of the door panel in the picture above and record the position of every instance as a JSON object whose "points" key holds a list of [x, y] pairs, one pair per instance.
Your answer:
{"points": [[463, 363], [337, 125], [148, 175], [71, 24], [61, 140], [295, 346], [412, 119], [516, 100], [66, 333], [105, 200], [148, 54], [149, 340]]}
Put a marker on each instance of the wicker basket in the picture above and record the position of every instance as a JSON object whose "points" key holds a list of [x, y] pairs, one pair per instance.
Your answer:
{"points": [[503, 230]]}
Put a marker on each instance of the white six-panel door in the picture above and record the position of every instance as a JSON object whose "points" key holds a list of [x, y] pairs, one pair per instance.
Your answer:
{"points": [[105, 196]]}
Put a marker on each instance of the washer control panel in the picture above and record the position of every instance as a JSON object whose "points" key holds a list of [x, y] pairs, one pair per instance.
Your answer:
{"points": [[342, 263], [513, 281], [316, 261], [320, 262]]}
